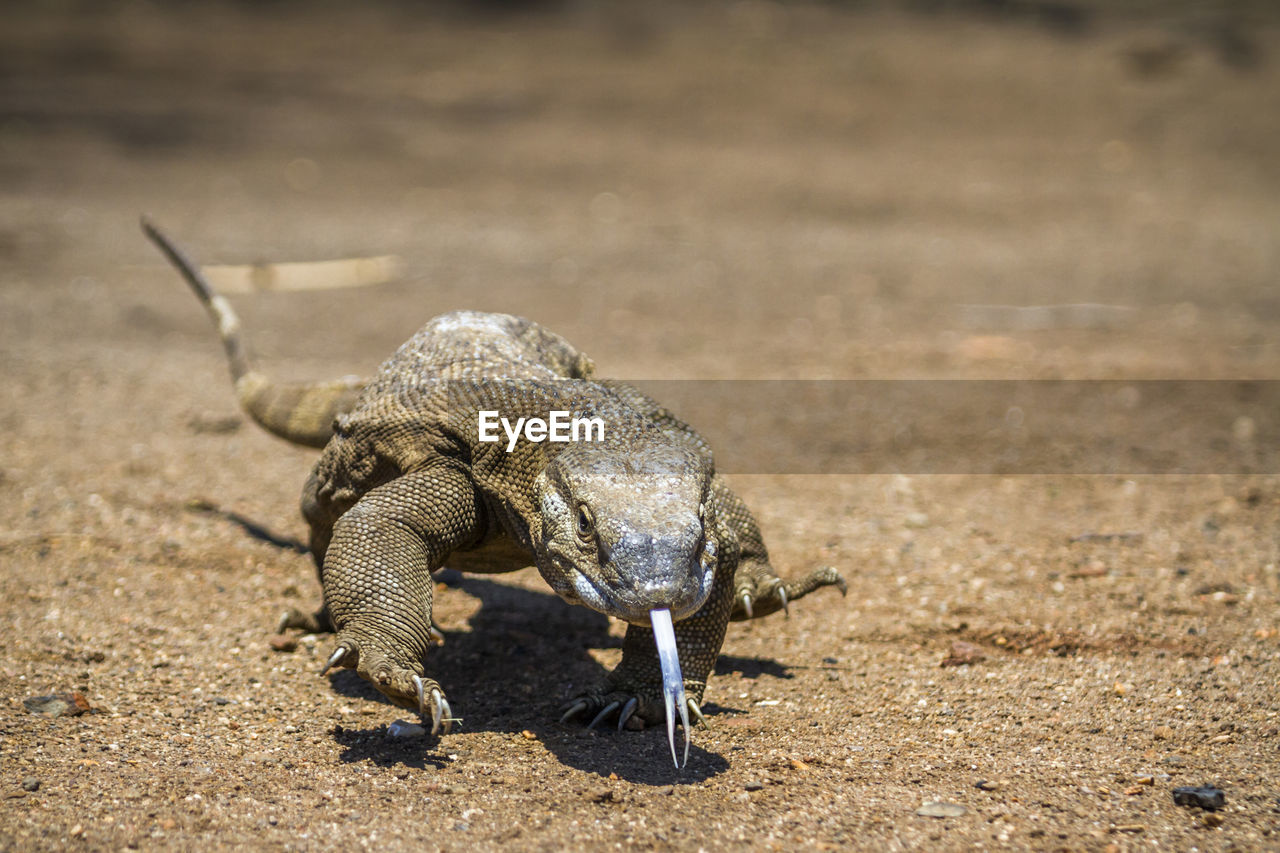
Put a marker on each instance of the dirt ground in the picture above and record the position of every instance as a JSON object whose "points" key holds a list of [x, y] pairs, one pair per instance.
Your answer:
{"points": [[721, 191]]}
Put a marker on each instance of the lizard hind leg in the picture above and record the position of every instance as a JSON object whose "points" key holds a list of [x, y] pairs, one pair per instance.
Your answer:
{"points": [[319, 622]]}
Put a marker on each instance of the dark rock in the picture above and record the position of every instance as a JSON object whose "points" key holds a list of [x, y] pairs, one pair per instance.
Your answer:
{"points": [[1205, 797], [31, 783], [57, 704]]}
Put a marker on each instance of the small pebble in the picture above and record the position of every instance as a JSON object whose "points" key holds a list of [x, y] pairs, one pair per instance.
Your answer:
{"points": [[283, 643], [753, 785], [1205, 797], [1162, 732], [405, 729], [1131, 827], [1094, 569], [1211, 820], [937, 808], [989, 785], [963, 653], [31, 783]]}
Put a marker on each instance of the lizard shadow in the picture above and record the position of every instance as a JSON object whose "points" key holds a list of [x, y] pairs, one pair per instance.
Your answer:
{"points": [[372, 744], [751, 668], [525, 653]]}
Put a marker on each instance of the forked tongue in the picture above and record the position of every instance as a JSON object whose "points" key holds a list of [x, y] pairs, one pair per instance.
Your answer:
{"points": [[672, 680]]}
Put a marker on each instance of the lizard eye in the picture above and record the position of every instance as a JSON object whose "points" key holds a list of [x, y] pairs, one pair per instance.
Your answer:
{"points": [[585, 524]]}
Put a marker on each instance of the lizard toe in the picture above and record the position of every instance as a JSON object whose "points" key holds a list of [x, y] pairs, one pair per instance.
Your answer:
{"points": [[606, 711], [572, 709], [631, 709], [698, 719], [625, 715], [761, 594], [441, 713], [394, 675]]}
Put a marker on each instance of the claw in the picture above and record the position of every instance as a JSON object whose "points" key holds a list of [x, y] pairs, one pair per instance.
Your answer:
{"points": [[746, 604], [434, 633], [422, 699], [782, 594], [608, 709], [441, 713], [626, 712], [697, 714], [673, 695], [283, 624], [337, 655], [574, 710]]}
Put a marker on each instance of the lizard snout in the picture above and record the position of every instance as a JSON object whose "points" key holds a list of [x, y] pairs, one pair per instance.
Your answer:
{"points": [[658, 572]]}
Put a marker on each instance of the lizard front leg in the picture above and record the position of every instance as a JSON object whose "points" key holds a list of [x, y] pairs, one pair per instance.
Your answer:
{"points": [[377, 579], [758, 591]]}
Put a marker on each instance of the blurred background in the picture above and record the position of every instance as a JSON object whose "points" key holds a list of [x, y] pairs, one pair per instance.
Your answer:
{"points": [[741, 190], [721, 189]]}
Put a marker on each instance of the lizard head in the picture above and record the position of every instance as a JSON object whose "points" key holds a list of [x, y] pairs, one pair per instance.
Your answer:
{"points": [[628, 532]]}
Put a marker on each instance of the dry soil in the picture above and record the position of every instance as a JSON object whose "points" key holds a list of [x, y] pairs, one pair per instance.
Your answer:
{"points": [[723, 191]]}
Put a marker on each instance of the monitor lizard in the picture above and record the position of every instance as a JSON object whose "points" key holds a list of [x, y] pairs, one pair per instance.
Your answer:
{"points": [[637, 525]]}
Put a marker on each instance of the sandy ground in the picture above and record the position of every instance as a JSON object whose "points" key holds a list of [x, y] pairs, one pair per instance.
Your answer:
{"points": [[744, 191]]}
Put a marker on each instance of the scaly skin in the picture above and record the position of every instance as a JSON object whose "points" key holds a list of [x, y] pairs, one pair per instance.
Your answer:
{"points": [[403, 486]]}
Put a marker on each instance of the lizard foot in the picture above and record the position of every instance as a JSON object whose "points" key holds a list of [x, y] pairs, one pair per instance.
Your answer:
{"points": [[761, 595], [634, 710], [402, 684], [309, 623]]}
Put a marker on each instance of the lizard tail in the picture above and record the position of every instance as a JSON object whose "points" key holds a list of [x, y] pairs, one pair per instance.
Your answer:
{"points": [[300, 413]]}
